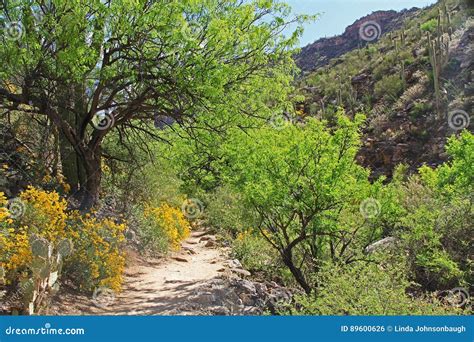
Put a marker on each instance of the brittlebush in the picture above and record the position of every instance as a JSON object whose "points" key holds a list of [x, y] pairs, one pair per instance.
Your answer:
{"points": [[170, 222], [96, 258]]}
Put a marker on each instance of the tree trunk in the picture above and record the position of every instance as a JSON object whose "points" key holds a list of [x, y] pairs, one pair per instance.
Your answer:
{"points": [[91, 183], [295, 271]]}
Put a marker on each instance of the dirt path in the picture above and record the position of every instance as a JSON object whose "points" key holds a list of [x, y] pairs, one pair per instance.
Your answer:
{"points": [[157, 287]]}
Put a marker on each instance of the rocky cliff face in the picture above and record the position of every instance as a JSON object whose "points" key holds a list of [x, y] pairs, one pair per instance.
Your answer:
{"points": [[323, 50]]}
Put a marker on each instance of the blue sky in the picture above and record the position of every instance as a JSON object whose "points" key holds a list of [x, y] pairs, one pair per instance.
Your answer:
{"points": [[336, 15]]}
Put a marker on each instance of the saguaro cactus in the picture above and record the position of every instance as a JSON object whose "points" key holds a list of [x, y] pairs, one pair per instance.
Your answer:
{"points": [[435, 60]]}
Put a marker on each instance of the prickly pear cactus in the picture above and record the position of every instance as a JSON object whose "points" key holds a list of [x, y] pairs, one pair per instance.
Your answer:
{"points": [[45, 270]]}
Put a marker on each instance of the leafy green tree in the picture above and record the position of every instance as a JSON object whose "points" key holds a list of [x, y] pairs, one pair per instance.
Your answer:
{"points": [[301, 181], [437, 228], [93, 66]]}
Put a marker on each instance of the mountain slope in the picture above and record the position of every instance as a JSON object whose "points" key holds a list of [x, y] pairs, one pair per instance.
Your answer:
{"points": [[320, 52], [413, 102]]}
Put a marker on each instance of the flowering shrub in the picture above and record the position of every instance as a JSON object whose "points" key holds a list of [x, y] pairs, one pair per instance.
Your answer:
{"points": [[45, 214], [93, 257], [97, 259], [164, 227]]}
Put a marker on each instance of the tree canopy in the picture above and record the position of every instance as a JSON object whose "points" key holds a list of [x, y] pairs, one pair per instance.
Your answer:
{"points": [[92, 66]]}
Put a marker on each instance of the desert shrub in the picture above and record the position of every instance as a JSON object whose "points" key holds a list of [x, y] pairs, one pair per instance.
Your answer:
{"points": [[420, 109], [39, 238], [439, 218], [366, 289], [130, 185], [97, 259], [255, 253], [36, 213], [430, 25], [163, 228], [422, 236], [433, 216], [226, 213], [389, 87]]}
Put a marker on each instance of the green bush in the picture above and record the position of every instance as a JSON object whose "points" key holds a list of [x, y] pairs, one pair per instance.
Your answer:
{"points": [[366, 289], [389, 87], [255, 253], [150, 233], [435, 218], [226, 212], [430, 25], [420, 109]]}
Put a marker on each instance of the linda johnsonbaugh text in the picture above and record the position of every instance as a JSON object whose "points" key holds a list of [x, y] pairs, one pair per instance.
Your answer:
{"points": [[404, 328]]}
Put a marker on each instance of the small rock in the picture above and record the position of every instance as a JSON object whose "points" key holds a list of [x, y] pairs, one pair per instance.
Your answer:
{"points": [[180, 259], [221, 311], [387, 242], [241, 271], [210, 243], [235, 263], [221, 270], [190, 250], [247, 299], [261, 289], [245, 286], [207, 238], [204, 298]]}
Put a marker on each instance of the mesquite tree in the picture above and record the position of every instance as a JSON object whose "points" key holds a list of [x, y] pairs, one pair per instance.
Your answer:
{"points": [[93, 66], [298, 182]]}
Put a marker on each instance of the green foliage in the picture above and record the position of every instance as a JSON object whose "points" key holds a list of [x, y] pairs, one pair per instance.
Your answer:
{"points": [[389, 87], [433, 218], [226, 212], [419, 109], [256, 254], [204, 63], [299, 181], [430, 25], [366, 289], [152, 236], [139, 177], [457, 175]]}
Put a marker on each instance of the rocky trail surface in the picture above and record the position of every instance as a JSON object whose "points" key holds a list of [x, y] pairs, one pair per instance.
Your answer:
{"points": [[198, 280]]}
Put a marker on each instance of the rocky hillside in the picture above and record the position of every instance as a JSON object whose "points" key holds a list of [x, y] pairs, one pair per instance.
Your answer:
{"points": [[320, 52], [413, 83]]}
